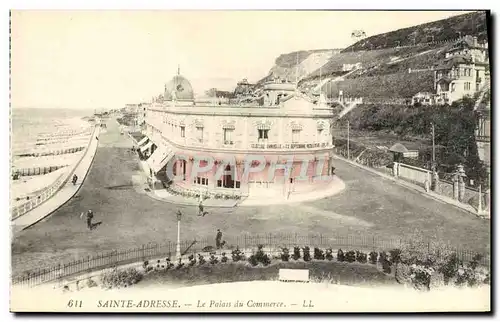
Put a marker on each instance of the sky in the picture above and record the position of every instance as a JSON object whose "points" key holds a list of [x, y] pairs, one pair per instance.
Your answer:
{"points": [[105, 59]]}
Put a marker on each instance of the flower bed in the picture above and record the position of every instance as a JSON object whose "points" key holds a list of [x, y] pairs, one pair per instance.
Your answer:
{"points": [[410, 265], [195, 193]]}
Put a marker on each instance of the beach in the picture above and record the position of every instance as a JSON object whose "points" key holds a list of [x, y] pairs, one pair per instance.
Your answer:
{"points": [[45, 144]]}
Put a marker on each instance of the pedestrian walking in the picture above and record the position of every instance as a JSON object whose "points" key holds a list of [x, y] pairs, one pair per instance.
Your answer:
{"points": [[218, 239], [200, 209], [90, 216], [75, 179]]}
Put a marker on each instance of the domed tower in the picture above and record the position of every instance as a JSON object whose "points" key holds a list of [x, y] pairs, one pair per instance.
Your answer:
{"points": [[178, 89]]}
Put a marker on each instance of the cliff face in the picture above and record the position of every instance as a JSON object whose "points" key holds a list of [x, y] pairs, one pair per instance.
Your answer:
{"points": [[296, 65]]}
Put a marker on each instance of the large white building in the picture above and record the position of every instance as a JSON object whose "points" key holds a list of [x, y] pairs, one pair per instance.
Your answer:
{"points": [[464, 71], [287, 136]]}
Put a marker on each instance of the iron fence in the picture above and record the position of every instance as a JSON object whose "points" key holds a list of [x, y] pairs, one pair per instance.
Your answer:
{"points": [[48, 192], [273, 244]]}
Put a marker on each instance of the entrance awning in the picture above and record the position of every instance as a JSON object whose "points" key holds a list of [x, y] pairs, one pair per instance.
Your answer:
{"points": [[144, 140], [160, 158], [147, 146]]}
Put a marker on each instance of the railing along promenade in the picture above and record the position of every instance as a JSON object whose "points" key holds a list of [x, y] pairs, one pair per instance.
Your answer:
{"points": [[273, 244], [47, 193]]}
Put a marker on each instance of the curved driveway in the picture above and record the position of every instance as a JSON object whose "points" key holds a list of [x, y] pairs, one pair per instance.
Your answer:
{"points": [[369, 205]]}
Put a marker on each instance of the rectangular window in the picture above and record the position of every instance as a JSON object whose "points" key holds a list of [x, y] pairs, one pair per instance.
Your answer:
{"points": [[199, 134], [202, 181], [183, 132], [263, 135], [228, 136], [295, 136]]}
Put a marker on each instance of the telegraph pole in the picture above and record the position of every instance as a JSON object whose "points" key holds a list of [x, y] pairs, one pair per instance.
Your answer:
{"points": [[348, 153], [433, 147]]}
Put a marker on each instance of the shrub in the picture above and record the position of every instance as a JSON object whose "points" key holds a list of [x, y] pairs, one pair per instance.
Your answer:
{"points": [[253, 260], [403, 273], [350, 256], [318, 253], [169, 264], [421, 276], [192, 260], [285, 255], [307, 254], [120, 278], [237, 255], [201, 260], [224, 258], [329, 254], [91, 283], [361, 257], [373, 257], [395, 255], [386, 264], [145, 264], [180, 264], [148, 269], [450, 268], [262, 257], [296, 253], [472, 274], [340, 255], [213, 259]]}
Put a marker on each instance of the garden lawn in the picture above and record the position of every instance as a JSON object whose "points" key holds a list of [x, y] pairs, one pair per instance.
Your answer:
{"points": [[319, 271]]}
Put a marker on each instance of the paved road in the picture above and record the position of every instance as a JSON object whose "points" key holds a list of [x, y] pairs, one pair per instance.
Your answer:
{"points": [[129, 218]]}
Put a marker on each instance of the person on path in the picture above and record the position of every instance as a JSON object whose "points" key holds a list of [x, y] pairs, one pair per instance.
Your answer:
{"points": [[75, 178], [218, 239], [90, 215], [200, 209]]}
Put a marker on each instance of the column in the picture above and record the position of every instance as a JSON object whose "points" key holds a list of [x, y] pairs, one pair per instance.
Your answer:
{"points": [[461, 189], [455, 187]]}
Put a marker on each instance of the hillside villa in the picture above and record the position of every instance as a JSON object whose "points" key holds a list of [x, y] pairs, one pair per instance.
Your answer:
{"points": [[463, 72]]}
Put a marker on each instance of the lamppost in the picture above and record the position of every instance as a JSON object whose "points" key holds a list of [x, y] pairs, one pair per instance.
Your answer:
{"points": [[178, 248]]}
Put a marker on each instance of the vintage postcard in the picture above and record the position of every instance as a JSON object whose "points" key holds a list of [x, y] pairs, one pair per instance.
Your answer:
{"points": [[250, 161]]}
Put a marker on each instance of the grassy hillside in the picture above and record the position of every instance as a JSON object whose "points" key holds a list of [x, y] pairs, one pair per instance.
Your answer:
{"points": [[384, 72], [441, 30], [399, 85], [454, 129]]}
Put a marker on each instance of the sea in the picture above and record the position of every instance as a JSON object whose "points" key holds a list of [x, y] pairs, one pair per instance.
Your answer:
{"points": [[29, 124]]}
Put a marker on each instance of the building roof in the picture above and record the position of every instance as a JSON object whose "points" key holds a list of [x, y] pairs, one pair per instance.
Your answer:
{"points": [[182, 88], [398, 148], [424, 94], [452, 61], [467, 41], [444, 79]]}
